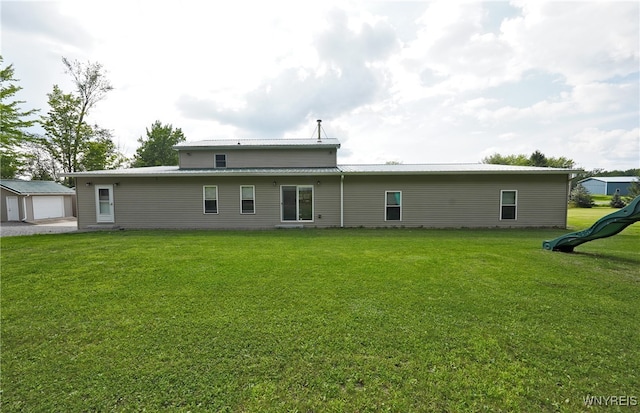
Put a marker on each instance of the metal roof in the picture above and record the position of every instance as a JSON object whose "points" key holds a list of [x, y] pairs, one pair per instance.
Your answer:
{"points": [[447, 168], [401, 169], [21, 187], [625, 179], [258, 143], [176, 171]]}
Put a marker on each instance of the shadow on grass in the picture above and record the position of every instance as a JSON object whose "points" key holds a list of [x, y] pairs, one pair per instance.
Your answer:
{"points": [[610, 257]]}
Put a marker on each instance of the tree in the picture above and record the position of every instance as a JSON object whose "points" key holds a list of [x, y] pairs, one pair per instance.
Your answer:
{"points": [[157, 148], [581, 197], [13, 122], [497, 159], [634, 190], [69, 139], [616, 200], [101, 153], [64, 133], [537, 158]]}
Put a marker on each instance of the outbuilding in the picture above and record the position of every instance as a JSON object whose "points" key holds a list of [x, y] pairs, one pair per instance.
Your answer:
{"points": [[608, 185], [281, 183], [35, 200]]}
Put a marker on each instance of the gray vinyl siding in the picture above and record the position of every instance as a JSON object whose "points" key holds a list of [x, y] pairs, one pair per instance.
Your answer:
{"points": [[175, 202], [261, 158], [430, 201], [442, 201]]}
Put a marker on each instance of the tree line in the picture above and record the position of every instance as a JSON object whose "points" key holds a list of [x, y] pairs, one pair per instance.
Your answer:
{"points": [[70, 143]]}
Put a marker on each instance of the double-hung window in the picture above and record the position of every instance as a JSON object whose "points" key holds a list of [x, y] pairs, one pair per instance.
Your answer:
{"points": [[247, 199], [220, 160], [210, 197], [393, 206], [508, 204]]}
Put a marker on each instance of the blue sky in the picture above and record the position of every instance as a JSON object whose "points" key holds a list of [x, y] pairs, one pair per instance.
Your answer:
{"points": [[414, 82]]}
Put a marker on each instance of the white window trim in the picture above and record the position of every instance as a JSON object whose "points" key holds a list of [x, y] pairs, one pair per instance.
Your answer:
{"points": [[313, 204], [204, 194], [387, 205], [515, 204], [253, 198], [215, 161]]}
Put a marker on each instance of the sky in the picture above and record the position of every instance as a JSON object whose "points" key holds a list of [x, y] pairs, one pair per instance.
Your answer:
{"points": [[403, 81]]}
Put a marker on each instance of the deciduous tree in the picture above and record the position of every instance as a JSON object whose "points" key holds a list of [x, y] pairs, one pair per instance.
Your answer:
{"points": [[69, 139], [537, 158], [157, 148]]}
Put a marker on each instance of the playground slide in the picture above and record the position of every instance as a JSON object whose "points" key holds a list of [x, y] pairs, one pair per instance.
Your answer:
{"points": [[604, 227]]}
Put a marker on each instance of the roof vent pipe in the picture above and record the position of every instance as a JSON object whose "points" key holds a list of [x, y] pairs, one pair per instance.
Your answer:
{"points": [[319, 130]]}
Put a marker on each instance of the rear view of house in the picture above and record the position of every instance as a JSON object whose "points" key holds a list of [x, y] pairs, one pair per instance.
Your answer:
{"points": [[275, 183], [35, 200]]}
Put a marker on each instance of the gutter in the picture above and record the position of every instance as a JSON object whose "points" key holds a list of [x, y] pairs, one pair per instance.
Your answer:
{"points": [[24, 208]]}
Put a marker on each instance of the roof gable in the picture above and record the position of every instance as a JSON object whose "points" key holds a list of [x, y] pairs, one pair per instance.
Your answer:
{"points": [[21, 187]]}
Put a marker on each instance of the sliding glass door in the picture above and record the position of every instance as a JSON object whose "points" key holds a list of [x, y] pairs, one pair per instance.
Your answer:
{"points": [[297, 202]]}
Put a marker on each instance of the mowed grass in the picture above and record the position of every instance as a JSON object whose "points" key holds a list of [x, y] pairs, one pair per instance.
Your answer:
{"points": [[318, 320]]}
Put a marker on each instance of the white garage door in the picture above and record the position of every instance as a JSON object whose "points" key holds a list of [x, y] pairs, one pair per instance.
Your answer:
{"points": [[48, 207]]}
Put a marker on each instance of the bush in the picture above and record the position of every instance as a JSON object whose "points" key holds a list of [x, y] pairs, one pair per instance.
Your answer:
{"points": [[616, 200], [634, 190], [580, 197]]}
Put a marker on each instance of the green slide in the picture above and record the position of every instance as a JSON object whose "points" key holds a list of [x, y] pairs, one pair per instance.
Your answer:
{"points": [[604, 227]]}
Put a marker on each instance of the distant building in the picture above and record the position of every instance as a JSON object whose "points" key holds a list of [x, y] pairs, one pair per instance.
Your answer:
{"points": [[607, 185]]}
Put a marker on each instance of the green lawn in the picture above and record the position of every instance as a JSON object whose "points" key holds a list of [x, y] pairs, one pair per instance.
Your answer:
{"points": [[319, 320]]}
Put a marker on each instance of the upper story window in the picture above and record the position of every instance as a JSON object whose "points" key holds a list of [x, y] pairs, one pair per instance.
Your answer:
{"points": [[508, 204], [220, 160]]}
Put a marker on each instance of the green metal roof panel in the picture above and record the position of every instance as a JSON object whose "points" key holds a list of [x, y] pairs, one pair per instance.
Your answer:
{"points": [[35, 187]]}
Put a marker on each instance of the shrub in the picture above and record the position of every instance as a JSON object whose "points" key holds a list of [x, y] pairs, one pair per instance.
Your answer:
{"points": [[634, 190], [616, 200], [580, 197]]}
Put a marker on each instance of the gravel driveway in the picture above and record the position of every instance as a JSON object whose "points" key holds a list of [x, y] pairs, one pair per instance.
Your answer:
{"points": [[10, 229]]}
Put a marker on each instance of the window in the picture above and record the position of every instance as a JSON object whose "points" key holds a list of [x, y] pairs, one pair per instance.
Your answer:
{"points": [[210, 195], [297, 203], [247, 199], [393, 208], [220, 160], [508, 204]]}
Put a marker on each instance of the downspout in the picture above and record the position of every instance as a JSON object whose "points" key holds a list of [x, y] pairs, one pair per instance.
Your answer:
{"points": [[24, 208], [341, 201]]}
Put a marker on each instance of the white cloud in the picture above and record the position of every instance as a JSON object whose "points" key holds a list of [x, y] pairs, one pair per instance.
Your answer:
{"points": [[617, 148], [414, 82], [584, 41]]}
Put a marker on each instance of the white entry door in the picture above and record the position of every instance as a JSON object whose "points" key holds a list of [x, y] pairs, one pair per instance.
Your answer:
{"points": [[104, 203], [12, 209]]}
